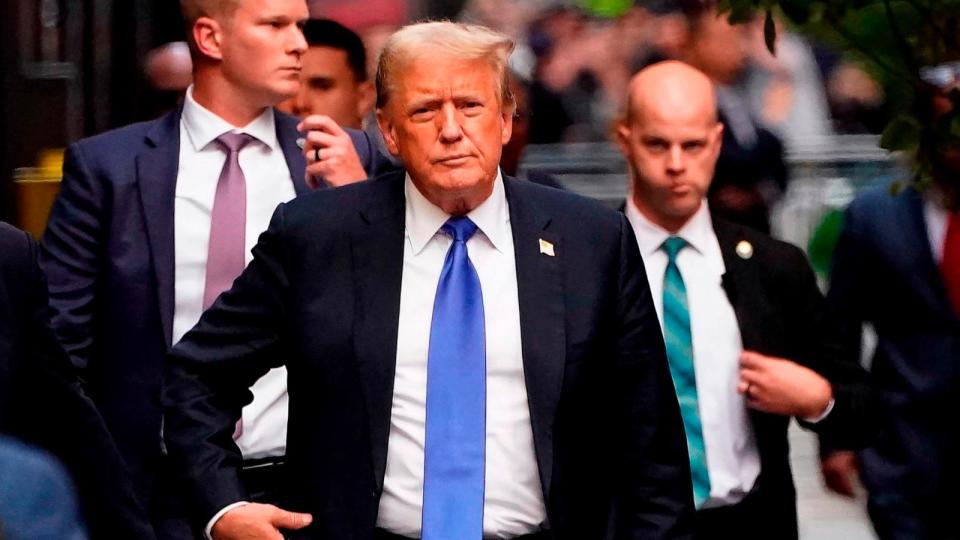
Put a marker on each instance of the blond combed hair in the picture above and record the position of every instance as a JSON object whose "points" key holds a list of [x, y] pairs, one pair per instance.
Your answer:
{"points": [[421, 41], [194, 9]]}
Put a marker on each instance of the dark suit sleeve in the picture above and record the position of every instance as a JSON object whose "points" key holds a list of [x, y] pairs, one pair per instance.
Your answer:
{"points": [[821, 346], [71, 255], [654, 494], [58, 416], [842, 304], [373, 156], [210, 371]]}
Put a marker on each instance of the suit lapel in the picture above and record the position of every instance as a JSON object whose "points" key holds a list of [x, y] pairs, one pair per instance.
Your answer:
{"points": [[926, 277], [740, 281], [377, 249], [287, 136], [157, 181], [542, 317]]}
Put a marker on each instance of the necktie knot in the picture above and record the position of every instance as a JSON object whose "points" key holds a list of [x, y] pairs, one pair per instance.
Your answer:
{"points": [[460, 228], [672, 246], [234, 142]]}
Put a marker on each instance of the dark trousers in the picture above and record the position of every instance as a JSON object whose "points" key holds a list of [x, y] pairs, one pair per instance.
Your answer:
{"points": [[167, 507], [264, 480], [381, 534], [749, 519]]}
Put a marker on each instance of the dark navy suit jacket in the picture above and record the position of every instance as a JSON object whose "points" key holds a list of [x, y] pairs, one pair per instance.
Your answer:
{"points": [[324, 287], [41, 401], [884, 274], [109, 256]]}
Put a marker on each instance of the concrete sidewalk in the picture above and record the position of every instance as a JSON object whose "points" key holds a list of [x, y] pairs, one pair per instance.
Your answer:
{"points": [[823, 515]]}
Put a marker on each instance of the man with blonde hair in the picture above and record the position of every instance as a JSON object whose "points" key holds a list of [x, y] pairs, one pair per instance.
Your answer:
{"points": [[154, 220], [453, 375]]}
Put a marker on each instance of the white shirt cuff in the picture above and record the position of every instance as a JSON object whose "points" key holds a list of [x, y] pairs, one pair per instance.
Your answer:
{"points": [[218, 515], [824, 414]]}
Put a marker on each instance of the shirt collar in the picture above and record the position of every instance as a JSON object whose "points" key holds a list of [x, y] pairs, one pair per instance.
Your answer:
{"points": [[203, 126], [697, 231], [424, 219]]}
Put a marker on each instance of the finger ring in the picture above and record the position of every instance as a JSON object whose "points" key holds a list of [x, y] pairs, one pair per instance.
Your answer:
{"points": [[316, 154]]}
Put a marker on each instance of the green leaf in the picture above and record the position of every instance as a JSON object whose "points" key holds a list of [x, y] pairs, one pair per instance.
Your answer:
{"points": [[902, 133], [741, 11], [770, 33], [798, 11]]}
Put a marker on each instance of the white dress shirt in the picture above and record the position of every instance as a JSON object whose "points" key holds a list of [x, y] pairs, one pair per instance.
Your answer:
{"points": [[937, 219], [513, 498], [733, 461], [268, 184]]}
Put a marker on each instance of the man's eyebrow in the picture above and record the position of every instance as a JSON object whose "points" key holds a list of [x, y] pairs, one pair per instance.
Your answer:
{"points": [[423, 102], [275, 17]]}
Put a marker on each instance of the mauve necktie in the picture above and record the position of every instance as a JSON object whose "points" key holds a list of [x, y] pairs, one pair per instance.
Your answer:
{"points": [[679, 341], [453, 475], [226, 254], [950, 265]]}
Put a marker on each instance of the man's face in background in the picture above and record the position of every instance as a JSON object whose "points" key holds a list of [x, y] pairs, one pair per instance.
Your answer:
{"points": [[261, 47], [330, 87]]}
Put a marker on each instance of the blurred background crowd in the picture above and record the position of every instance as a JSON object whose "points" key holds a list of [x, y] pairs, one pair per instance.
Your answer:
{"points": [[75, 69]]}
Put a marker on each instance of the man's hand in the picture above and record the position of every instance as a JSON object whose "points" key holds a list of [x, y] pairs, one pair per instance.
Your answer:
{"points": [[840, 472], [779, 386], [257, 522], [339, 163]]}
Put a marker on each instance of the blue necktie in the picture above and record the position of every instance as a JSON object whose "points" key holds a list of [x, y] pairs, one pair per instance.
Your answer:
{"points": [[456, 398], [679, 341]]}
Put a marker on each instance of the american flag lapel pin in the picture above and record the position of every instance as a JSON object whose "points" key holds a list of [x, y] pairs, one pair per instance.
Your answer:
{"points": [[546, 248]]}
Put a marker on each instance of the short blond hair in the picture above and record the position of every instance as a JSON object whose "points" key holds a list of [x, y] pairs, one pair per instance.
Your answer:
{"points": [[461, 41], [194, 9]]}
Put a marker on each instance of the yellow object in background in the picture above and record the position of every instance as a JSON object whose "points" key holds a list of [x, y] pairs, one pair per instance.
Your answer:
{"points": [[50, 161], [34, 190]]}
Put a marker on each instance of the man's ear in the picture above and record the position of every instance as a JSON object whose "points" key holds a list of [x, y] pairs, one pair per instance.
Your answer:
{"points": [[506, 117], [208, 35], [367, 99], [388, 131], [717, 138], [622, 134]]}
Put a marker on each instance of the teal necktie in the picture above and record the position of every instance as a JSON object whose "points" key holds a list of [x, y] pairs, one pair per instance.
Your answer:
{"points": [[679, 342]]}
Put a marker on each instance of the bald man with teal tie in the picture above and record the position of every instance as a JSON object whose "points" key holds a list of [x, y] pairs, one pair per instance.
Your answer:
{"points": [[747, 337]]}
